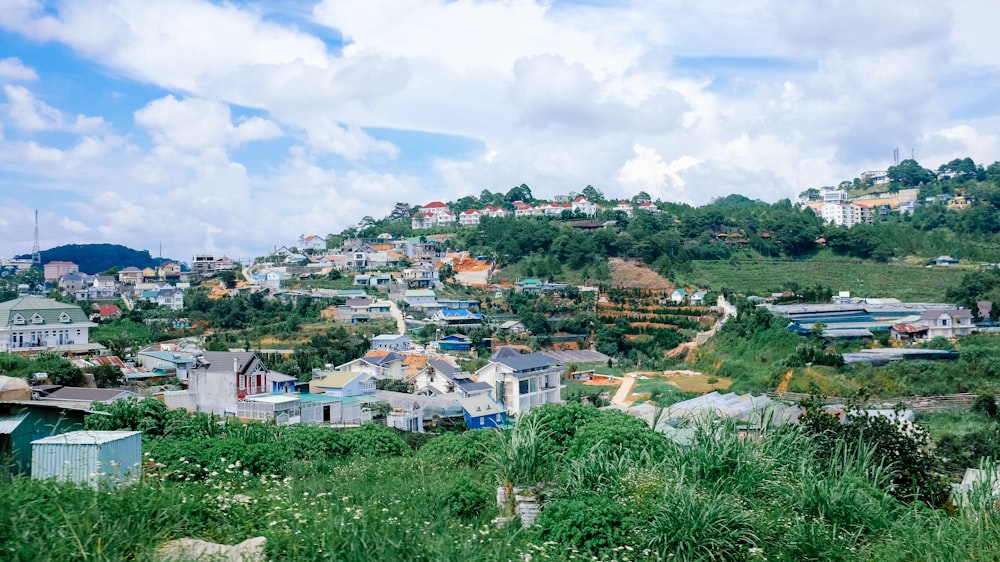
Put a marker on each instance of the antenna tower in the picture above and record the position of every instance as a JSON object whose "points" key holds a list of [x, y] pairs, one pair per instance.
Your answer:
{"points": [[895, 157], [36, 253]]}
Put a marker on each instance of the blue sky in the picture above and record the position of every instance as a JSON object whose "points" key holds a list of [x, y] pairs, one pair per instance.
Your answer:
{"points": [[233, 127]]}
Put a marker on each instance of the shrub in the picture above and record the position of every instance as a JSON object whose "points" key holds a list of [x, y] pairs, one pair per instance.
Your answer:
{"points": [[312, 442], [464, 449], [372, 440], [617, 430], [563, 421], [467, 498], [986, 404], [897, 444], [134, 414], [594, 524]]}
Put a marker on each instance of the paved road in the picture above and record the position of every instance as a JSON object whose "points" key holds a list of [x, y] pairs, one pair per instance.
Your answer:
{"points": [[397, 315], [624, 394]]}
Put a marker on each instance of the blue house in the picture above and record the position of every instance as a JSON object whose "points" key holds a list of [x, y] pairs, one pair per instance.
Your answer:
{"points": [[457, 316], [455, 342], [280, 383], [481, 412]]}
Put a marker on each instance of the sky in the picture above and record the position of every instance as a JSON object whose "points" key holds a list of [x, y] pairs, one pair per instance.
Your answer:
{"points": [[234, 127]]}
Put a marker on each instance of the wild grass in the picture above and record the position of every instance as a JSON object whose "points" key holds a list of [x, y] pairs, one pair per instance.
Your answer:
{"points": [[621, 492]]}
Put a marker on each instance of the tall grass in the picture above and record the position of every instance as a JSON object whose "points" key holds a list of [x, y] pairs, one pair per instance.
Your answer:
{"points": [[630, 495]]}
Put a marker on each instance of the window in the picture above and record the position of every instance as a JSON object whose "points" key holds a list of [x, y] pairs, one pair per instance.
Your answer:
{"points": [[19, 319], [64, 318], [37, 319]]}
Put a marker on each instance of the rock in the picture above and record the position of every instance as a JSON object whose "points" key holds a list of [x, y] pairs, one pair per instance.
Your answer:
{"points": [[185, 550]]}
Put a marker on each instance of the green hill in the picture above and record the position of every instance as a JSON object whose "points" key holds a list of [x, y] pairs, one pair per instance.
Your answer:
{"points": [[94, 258]]}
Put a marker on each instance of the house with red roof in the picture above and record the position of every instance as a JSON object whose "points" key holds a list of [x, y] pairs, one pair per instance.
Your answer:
{"points": [[469, 217], [624, 207], [583, 206], [432, 215], [495, 212], [107, 311], [649, 207]]}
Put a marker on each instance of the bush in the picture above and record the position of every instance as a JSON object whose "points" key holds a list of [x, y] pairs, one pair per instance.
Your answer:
{"points": [[314, 443], [562, 422], [372, 440], [467, 498], [134, 414], [617, 430], [464, 449], [986, 404], [594, 524]]}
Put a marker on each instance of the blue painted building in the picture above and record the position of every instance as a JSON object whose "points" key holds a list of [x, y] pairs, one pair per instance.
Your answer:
{"points": [[481, 412], [455, 342]]}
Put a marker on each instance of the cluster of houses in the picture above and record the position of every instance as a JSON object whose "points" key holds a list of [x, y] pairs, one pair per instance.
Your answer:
{"points": [[238, 383], [437, 214], [834, 206], [162, 285]]}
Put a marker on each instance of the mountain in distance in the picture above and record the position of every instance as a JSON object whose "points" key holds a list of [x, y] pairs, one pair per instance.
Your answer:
{"points": [[95, 258]]}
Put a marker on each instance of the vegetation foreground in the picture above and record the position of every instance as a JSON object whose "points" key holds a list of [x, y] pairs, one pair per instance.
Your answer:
{"points": [[613, 490]]}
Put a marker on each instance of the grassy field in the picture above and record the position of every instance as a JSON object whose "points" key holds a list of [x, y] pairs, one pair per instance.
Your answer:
{"points": [[864, 279]]}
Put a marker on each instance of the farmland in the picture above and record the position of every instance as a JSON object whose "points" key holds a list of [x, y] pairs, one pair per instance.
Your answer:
{"points": [[865, 279]]}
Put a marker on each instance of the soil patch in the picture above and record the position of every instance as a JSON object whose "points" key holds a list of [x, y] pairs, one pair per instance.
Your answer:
{"points": [[631, 274]]}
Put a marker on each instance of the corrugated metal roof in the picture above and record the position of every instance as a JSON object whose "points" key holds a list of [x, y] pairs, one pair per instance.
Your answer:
{"points": [[8, 424], [86, 437]]}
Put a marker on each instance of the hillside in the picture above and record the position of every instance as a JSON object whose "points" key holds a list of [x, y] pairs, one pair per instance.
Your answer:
{"points": [[94, 258], [761, 276]]}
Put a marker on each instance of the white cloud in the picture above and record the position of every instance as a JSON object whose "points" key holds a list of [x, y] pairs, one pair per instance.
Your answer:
{"points": [[687, 101], [11, 68], [28, 113], [196, 125]]}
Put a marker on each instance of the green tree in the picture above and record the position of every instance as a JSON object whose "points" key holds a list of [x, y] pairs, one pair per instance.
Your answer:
{"points": [[107, 375], [909, 173]]}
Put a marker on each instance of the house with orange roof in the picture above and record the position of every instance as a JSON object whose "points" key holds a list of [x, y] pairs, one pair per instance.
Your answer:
{"points": [[379, 363], [311, 243]]}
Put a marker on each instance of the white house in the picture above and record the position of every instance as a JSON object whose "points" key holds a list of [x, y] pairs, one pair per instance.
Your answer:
{"points": [[311, 243], [678, 296], [343, 384], [220, 378], [649, 207], [522, 209], [443, 377], [38, 323], [522, 382], [391, 342], [584, 207], [947, 323], [469, 217], [624, 207], [495, 212], [379, 364], [431, 215], [420, 298]]}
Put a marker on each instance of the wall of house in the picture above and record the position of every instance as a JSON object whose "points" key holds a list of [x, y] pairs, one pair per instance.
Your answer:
{"points": [[213, 391], [28, 336]]}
